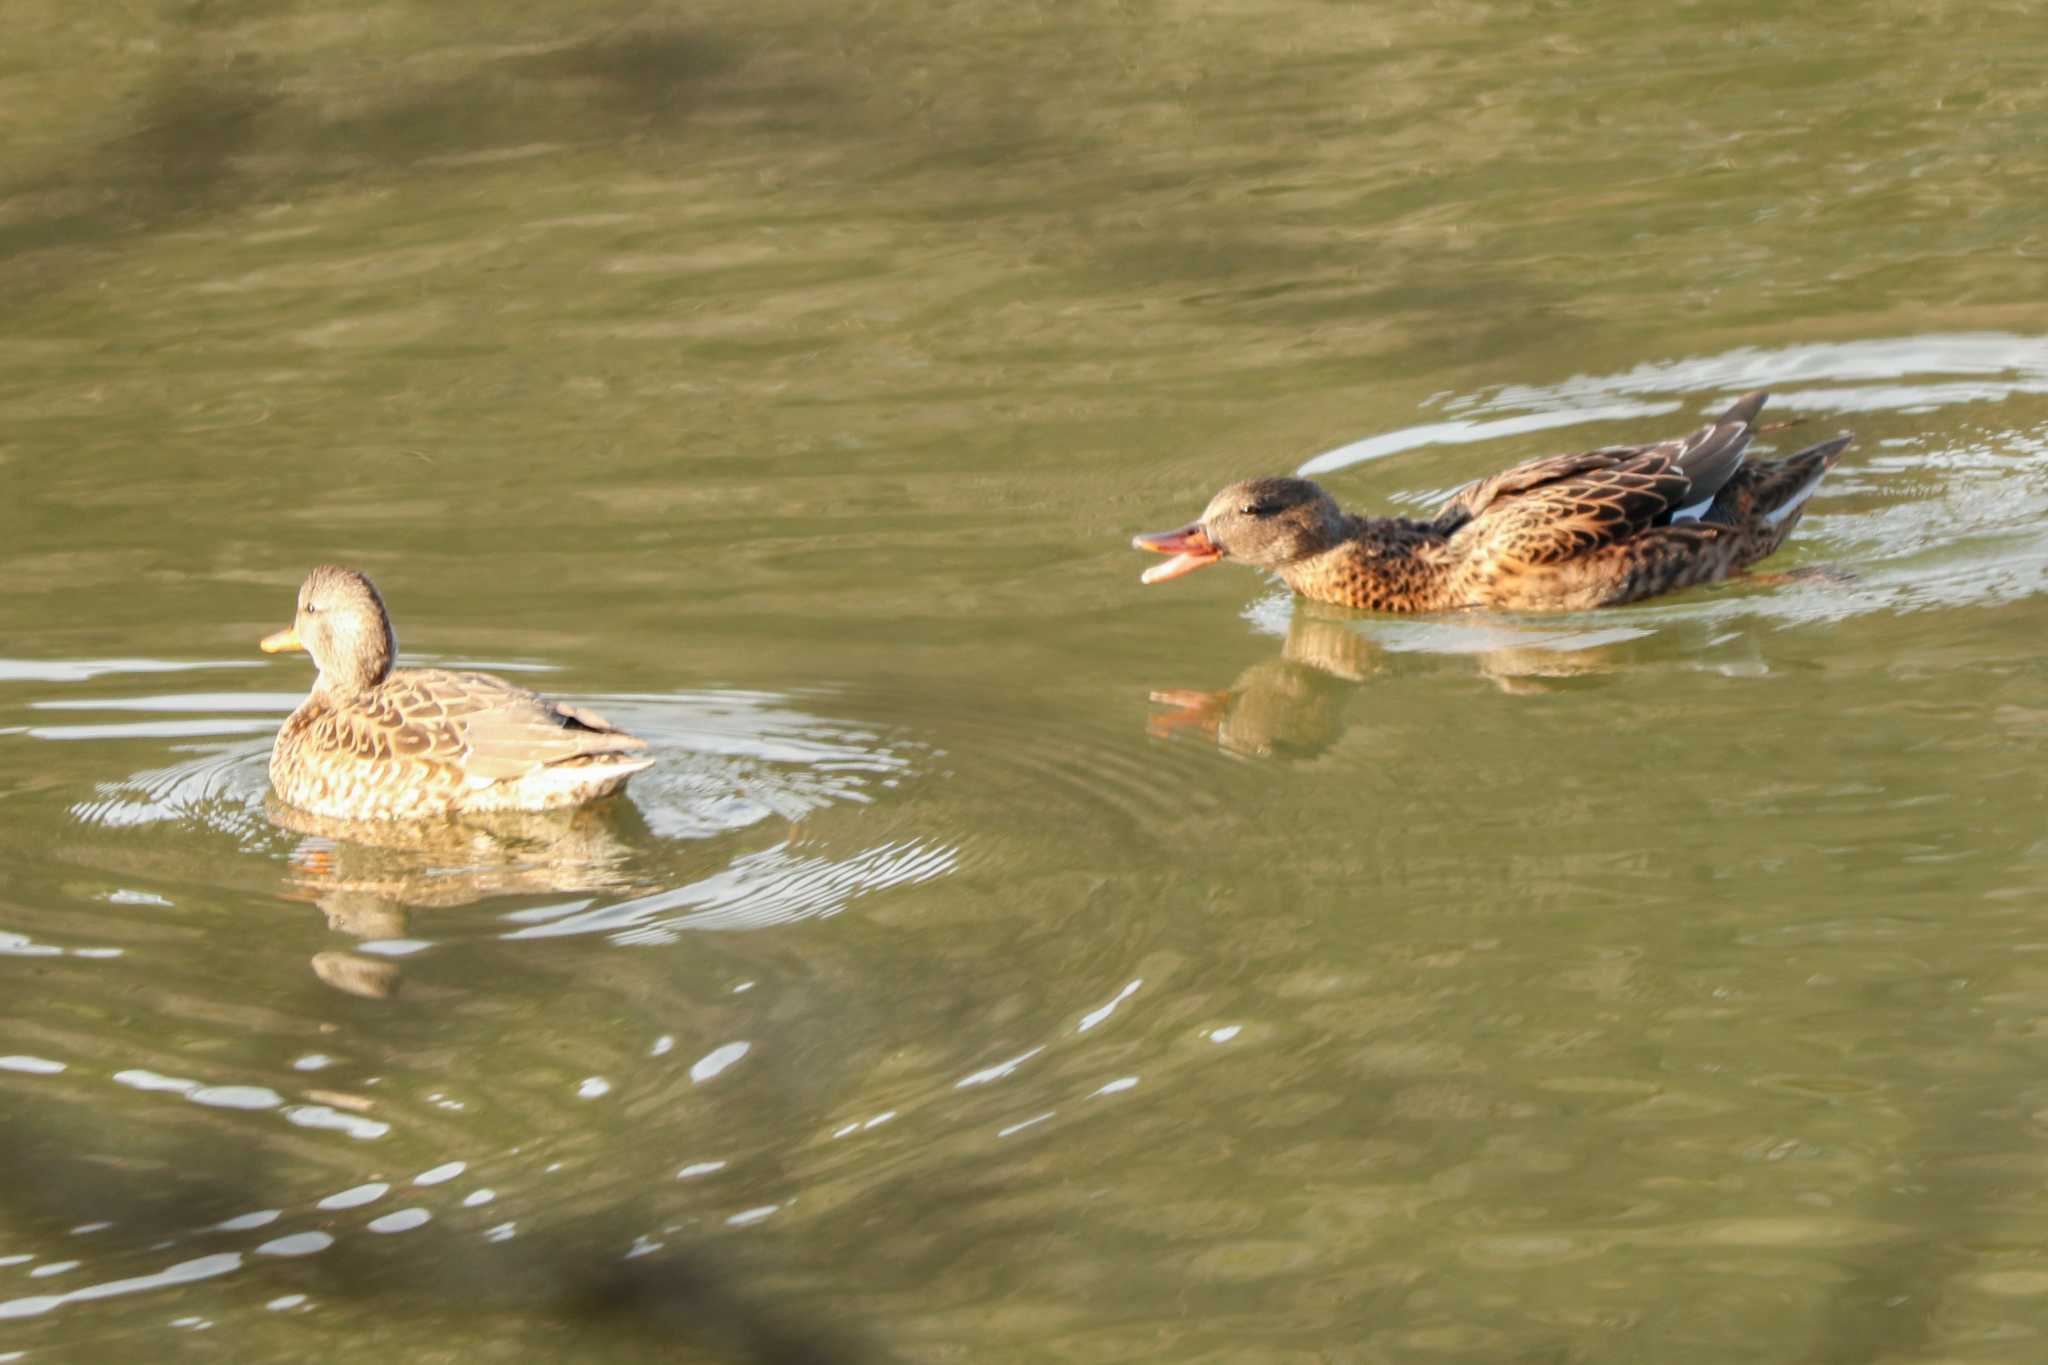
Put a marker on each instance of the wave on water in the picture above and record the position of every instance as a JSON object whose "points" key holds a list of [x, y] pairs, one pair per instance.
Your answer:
{"points": [[741, 757], [778, 885]]}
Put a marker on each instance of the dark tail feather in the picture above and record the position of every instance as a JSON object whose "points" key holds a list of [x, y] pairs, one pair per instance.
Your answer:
{"points": [[1827, 452], [1771, 492], [1743, 410], [1711, 455], [1783, 480]]}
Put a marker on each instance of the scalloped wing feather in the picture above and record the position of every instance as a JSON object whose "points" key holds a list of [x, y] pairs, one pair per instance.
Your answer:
{"points": [[1708, 457], [481, 727], [430, 741], [495, 730], [1560, 520], [1476, 497]]}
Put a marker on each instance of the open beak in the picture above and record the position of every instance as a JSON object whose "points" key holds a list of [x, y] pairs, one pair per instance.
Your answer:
{"points": [[284, 641], [1190, 547]]}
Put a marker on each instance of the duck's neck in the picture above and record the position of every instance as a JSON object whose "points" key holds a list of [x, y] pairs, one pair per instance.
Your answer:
{"points": [[1379, 563], [1380, 537], [360, 663]]}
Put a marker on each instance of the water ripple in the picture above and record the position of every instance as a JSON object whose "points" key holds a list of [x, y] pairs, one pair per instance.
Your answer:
{"points": [[731, 759], [756, 891]]}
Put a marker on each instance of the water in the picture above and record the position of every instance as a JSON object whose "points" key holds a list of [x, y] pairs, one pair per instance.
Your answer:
{"points": [[1005, 961]]}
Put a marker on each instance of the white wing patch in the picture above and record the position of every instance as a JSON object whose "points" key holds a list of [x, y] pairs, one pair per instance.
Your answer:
{"points": [[584, 774]]}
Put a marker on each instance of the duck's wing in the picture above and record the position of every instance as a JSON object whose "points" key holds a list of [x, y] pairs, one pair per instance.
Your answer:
{"points": [[1570, 516], [1563, 505], [489, 729], [1476, 497]]}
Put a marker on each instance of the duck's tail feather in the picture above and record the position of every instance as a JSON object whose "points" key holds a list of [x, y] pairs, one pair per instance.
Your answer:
{"points": [[1743, 411], [1771, 491], [1795, 478], [1711, 456], [1763, 502]]}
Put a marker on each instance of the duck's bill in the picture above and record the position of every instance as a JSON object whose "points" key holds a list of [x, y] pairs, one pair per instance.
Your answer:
{"points": [[1190, 547], [284, 641]]}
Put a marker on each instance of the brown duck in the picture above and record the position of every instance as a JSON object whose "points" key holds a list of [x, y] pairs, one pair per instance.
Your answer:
{"points": [[371, 743], [1563, 533]]}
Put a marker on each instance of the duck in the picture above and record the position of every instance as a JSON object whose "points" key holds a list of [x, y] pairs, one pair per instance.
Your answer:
{"points": [[1560, 533], [371, 742]]}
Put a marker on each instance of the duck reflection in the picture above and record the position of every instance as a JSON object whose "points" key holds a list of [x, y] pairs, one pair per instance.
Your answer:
{"points": [[1289, 707], [367, 878], [365, 875], [1294, 706]]}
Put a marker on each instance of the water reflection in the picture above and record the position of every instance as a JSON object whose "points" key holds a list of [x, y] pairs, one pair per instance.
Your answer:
{"points": [[453, 862], [1296, 705], [364, 875], [1289, 707]]}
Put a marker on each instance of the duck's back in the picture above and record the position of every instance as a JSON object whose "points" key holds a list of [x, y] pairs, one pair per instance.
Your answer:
{"points": [[433, 741]]}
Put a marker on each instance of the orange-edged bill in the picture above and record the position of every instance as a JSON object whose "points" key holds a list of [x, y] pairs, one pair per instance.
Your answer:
{"points": [[1190, 547]]}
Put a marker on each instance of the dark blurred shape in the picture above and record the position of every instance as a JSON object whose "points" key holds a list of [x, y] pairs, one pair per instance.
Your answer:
{"points": [[644, 73], [182, 153], [566, 1280], [672, 1298]]}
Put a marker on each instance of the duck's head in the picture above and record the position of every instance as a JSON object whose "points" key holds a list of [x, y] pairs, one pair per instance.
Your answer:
{"points": [[1267, 523], [342, 623]]}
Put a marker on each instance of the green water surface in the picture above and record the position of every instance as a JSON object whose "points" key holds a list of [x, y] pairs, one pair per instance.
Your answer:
{"points": [[1006, 962]]}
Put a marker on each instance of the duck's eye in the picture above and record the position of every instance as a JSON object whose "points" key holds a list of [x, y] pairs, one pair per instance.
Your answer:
{"points": [[309, 608], [1260, 509]]}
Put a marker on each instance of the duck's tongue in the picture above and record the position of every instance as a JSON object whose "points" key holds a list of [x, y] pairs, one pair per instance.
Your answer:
{"points": [[1190, 547]]}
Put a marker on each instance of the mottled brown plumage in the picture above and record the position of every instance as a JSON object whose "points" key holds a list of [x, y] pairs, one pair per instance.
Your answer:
{"points": [[370, 743], [1561, 533]]}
